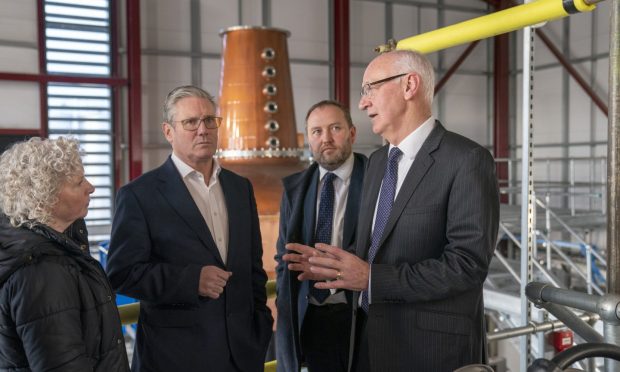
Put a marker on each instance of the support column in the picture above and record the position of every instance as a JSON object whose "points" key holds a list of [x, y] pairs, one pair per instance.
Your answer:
{"points": [[134, 72], [341, 52], [501, 107]]}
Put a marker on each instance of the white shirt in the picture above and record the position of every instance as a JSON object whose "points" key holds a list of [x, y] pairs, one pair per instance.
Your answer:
{"points": [[341, 194], [209, 198], [410, 146]]}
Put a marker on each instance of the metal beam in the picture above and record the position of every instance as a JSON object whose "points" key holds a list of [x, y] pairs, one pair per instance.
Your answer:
{"points": [[134, 108], [455, 66], [572, 71], [341, 52]]}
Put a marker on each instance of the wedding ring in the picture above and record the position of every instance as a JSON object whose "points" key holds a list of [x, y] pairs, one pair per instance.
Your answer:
{"points": [[338, 275]]}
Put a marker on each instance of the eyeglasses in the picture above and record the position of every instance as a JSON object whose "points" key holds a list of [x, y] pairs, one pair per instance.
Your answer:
{"points": [[192, 124], [366, 88]]}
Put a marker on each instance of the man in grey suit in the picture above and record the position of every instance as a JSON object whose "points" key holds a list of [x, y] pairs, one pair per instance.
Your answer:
{"points": [[319, 204], [426, 231]]}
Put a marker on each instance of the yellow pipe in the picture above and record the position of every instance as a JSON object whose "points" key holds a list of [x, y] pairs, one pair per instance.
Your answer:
{"points": [[489, 25]]}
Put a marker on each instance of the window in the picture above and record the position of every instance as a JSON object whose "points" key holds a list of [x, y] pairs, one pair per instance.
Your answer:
{"points": [[78, 43]]}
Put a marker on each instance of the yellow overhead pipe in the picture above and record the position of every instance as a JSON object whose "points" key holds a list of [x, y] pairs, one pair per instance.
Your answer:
{"points": [[489, 25]]}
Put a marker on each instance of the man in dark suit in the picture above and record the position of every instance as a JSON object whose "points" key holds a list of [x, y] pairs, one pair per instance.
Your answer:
{"points": [[186, 243], [313, 326], [426, 235]]}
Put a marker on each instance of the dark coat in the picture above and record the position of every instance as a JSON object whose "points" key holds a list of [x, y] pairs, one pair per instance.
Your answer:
{"points": [[57, 309], [426, 311], [160, 242], [297, 220]]}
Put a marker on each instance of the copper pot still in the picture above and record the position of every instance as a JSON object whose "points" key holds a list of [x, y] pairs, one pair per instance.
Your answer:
{"points": [[258, 138]]}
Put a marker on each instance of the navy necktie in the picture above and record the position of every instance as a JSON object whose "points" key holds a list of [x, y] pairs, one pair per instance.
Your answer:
{"points": [[324, 223], [386, 200]]}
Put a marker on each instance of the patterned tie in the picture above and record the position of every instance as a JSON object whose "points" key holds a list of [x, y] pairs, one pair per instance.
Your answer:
{"points": [[323, 233], [386, 200]]}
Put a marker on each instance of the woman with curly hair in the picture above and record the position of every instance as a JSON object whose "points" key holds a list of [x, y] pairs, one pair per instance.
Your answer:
{"points": [[57, 309]]}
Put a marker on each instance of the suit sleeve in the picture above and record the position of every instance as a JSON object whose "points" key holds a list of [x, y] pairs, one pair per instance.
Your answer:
{"points": [[46, 310], [262, 314], [281, 268], [132, 270], [471, 230]]}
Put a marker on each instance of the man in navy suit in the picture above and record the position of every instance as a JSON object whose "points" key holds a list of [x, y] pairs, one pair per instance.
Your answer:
{"points": [[186, 243], [318, 204], [428, 221]]}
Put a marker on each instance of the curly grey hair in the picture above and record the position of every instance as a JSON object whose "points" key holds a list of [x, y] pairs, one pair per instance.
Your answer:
{"points": [[32, 173], [183, 92]]}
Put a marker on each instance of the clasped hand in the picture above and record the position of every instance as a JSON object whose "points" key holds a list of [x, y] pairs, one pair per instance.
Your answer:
{"points": [[325, 262], [212, 281]]}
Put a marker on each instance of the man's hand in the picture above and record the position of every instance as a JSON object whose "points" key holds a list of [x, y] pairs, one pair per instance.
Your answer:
{"points": [[212, 281], [299, 261], [326, 262], [345, 269]]}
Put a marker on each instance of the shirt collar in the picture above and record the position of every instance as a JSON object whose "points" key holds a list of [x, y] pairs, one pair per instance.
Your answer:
{"points": [[186, 170], [343, 171], [411, 145]]}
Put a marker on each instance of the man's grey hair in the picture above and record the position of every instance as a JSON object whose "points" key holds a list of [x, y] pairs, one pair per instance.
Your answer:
{"points": [[413, 61], [32, 173], [183, 92]]}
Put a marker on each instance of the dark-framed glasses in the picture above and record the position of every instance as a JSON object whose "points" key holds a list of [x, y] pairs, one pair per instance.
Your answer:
{"points": [[192, 124], [367, 88]]}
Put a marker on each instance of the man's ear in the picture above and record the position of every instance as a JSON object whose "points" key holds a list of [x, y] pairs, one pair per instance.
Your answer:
{"points": [[166, 128], [413, 86]]}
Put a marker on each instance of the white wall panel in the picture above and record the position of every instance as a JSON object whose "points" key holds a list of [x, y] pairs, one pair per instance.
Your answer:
{"points": [[466, 109], [165, 24], [367, 22], [19, 103], [18, 21], [307, 21], [216, 15]]}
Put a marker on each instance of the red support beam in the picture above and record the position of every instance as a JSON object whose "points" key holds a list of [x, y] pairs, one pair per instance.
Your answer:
{"points": [[455, 66], [573, 72], [135, 90], [563, 61], [45, 78], [341, 52], [42, 68], [116, 95]]}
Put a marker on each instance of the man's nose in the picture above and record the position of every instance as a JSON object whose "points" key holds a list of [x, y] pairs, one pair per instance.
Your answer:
{"points": [[363, 103]]}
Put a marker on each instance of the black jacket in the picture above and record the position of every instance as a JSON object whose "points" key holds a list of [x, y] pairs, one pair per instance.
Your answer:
{"points": [[57, 310]]}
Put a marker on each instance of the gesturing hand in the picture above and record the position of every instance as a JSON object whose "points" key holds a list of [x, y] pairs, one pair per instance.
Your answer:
{"points": [[298, 261], [346, 269], [212, 281]]}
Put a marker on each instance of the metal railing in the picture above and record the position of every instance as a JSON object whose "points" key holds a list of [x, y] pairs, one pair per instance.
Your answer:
{"points": [[129, 315]]}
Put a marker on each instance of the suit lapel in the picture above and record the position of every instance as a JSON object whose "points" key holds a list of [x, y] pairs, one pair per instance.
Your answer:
{"points": [[173, 189], [418, 170], [372, 185], [236, 222], [353, 202], [309, 208]]}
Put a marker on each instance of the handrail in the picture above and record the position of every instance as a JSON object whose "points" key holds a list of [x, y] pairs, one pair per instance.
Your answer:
{"points": [[534, 327], [570, 231], [547, 274], [129, 315]]}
